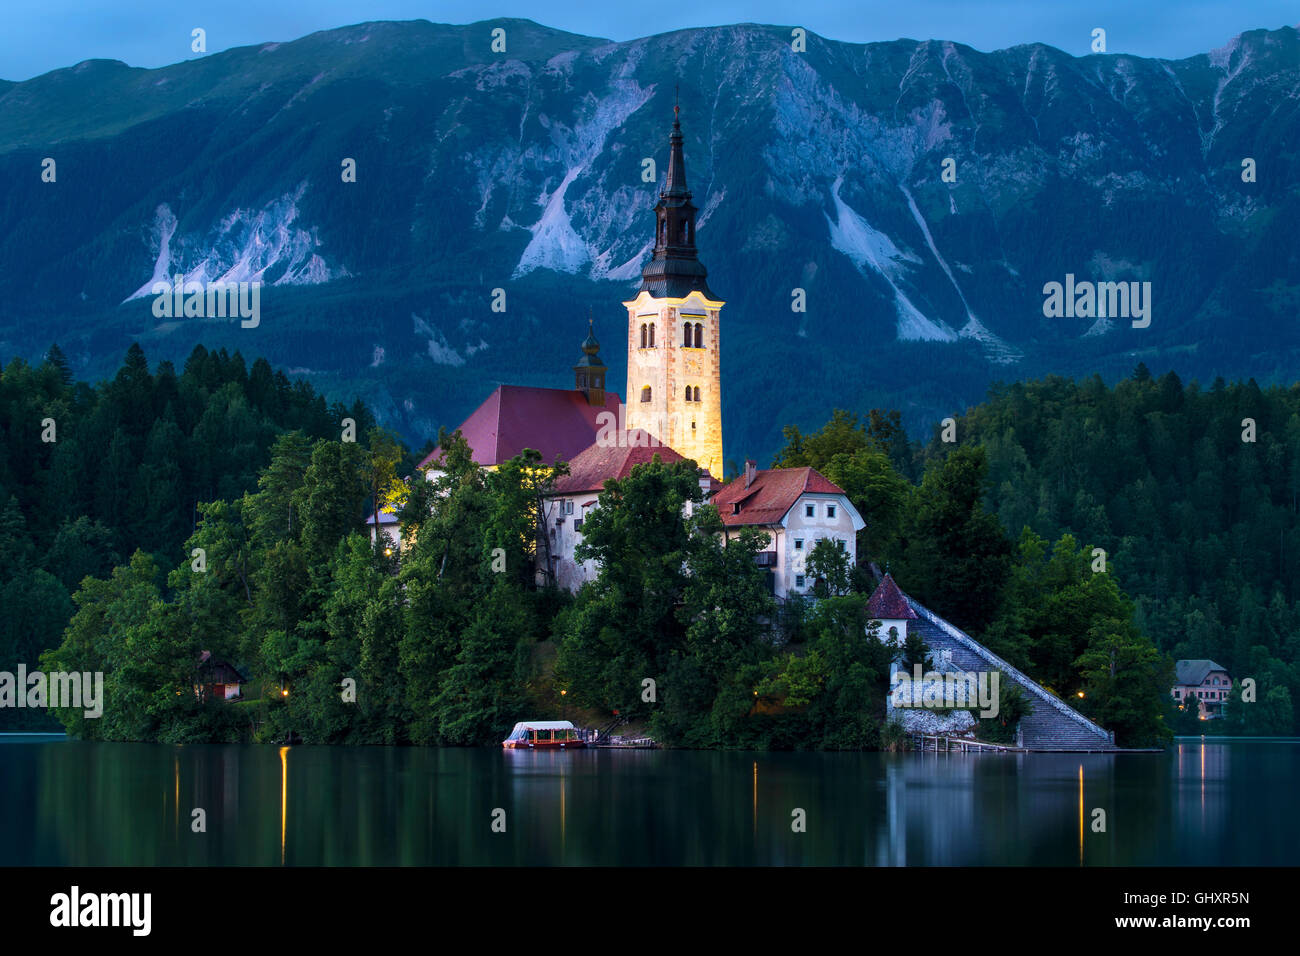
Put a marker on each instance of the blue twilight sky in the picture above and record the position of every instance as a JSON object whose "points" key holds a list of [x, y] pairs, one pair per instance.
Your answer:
{"points": [[41, 35]]}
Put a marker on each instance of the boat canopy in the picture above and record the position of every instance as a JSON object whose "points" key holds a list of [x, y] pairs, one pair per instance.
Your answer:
{"points": [[524, 726]]}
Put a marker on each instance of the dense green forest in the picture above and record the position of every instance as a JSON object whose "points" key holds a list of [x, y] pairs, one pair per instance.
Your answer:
{"points": [[89, 475], [222, 510], [1193, 493]]}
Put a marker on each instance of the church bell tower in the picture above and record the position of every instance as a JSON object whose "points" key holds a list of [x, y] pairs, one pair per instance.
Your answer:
{"points": [[589, 373], [673, 361]]}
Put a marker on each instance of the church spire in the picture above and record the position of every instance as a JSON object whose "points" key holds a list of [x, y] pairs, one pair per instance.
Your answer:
{"points": [[675, 269], [676, 186]]}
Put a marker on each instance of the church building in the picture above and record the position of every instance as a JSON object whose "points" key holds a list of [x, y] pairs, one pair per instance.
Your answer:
{"points": [[673, 369], [673, 410]]}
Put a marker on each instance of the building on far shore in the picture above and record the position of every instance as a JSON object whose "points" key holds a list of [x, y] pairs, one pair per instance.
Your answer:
{"points": [[1205, 681], [217, 680]]}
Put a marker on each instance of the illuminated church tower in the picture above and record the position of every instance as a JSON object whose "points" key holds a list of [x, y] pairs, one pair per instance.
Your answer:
{"points": [[673, 370]]}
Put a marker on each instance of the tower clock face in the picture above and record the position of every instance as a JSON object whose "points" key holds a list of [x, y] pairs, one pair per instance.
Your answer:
{"points": [[693, 366]]}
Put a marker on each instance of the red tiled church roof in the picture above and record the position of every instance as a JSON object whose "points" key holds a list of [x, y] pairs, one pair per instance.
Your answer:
{"points": [[594, 465], [888, 604], [770, 495], [558, 422]]}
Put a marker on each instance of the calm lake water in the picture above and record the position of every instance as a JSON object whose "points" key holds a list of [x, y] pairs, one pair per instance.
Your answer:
{"points": [[86, 804]]}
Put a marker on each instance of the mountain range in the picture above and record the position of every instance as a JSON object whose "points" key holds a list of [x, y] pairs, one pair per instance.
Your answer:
{"points": [[819, 169]]}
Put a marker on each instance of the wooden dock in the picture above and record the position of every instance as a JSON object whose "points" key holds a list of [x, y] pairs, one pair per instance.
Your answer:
{"points": [[603, 740], [938, 743]]}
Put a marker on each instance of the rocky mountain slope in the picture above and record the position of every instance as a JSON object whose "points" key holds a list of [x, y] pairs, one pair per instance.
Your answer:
{"points": [[819, 170]]}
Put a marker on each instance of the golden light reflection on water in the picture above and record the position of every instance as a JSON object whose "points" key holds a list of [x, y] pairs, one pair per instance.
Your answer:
{"points": [[284, 797], [1081, 814]]}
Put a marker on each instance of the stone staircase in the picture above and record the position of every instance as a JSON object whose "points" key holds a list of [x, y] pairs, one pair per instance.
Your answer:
{"points": [[1053, 724]]}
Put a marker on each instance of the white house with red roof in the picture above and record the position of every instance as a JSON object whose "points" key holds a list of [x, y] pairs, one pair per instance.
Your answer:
{"points": [[797, 507]]}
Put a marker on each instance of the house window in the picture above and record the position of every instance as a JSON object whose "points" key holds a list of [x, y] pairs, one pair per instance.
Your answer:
{"points": [[798, 580], [798, 544], [810, 511], [735, 508], [830, 511], [645, 393], [568, 507]]}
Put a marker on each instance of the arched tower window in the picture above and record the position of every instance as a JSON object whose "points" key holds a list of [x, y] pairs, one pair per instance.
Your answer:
{"points": [[699, 335], [643, 335], [697, 393], [686, 231], [652, 335], [688, 393], [686, 336], [645, 393]]}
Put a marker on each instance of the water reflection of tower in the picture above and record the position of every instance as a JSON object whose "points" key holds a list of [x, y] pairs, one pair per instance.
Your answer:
{"points": [[1201, 770]]}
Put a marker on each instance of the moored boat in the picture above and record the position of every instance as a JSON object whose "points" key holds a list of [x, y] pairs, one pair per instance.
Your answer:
{"points": [[544, 735]]}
